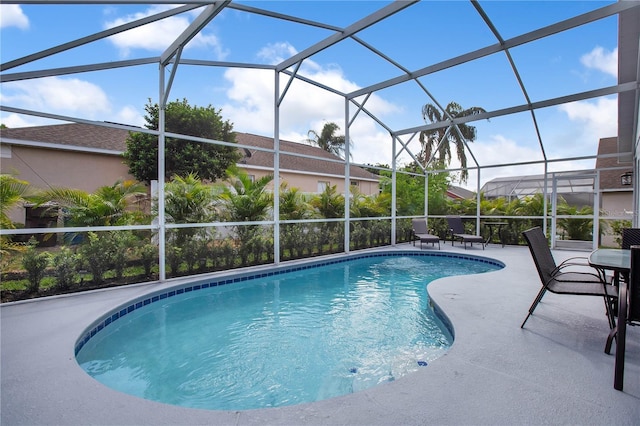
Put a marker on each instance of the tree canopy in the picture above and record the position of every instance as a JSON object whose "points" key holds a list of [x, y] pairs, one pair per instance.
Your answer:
{"points": [[182, 157], [440, 140], [328, 140]]}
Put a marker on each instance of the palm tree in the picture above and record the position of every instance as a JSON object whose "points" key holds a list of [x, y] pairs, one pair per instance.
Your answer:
{"points": [[188, 200], [293, 205], [108, 205], [12, 192], [329, 203], [328, 140], [448, 135], [246, 200]]}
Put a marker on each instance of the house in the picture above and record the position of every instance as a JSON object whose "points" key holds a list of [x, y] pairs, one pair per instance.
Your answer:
{"points": [[459, 193], [616, 199], [86, 157], [310, 175]]}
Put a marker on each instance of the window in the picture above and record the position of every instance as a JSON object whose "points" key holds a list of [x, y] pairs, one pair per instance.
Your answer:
{"points": [[355, 183], [322, 185], [252, 178]]}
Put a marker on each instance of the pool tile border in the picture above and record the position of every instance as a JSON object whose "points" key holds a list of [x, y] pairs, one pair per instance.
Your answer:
{"points": [[152, 297]]}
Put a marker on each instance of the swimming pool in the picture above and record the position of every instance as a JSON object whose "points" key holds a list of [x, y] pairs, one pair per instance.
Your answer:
{"points": [[278, 337]]}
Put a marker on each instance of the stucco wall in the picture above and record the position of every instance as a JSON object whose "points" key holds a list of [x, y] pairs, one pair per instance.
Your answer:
{"points": [[44, 168], [309, 183]]}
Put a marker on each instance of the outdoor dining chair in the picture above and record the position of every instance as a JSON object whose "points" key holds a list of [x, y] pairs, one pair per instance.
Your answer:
{"points": [[630, 237], [561, 280], [629, 314]]}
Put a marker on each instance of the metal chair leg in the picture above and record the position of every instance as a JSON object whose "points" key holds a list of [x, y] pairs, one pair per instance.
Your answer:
{"points": [[534, 305]]}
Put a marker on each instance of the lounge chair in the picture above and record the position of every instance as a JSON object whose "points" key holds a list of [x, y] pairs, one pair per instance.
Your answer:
{"points": [[560, 280], [456, 229], [420, 232]]}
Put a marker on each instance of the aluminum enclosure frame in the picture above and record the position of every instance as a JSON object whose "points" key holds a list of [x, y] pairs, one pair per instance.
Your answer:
{"points": [[171, 60]]}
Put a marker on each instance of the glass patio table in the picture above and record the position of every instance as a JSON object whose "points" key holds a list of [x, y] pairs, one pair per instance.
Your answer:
{"points": [[618, 261]]}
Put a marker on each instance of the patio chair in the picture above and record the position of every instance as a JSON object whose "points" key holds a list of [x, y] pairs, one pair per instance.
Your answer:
{"points": [[420, 232], [630, 306], [558, 279], [456, 229], [630, 237]]}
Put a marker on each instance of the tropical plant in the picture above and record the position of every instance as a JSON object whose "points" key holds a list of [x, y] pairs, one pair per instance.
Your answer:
{"points": [[188, 200], [12, 192], [327, 139], [410, 191], [439, 141], [576, 228], [329, 204], [107, 206], [182, 157], [531, 205], [246, 200], [293, 204]]}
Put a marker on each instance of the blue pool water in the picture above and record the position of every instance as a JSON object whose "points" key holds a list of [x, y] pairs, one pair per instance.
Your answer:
{"points": [[278, 340]]}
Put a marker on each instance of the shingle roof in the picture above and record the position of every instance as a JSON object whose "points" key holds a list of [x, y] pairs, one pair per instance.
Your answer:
{"points": [[72, 135], [290, 162], [610, 179], [459, 193], [102, 137]]}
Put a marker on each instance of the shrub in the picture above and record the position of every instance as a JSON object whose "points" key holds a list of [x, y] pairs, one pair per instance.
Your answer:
{"points": [[96, 252], [190, 253], [65, 264], [617, 226], [148, 254], [120, 247], [35, 263], [174, 259]]}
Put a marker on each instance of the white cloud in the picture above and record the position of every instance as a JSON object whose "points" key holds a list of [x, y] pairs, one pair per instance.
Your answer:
{"points": [[602, 60], [159, 35], [589, 121], [11, 15], [305, 106], [72, 97], [274, 53], [130, 115], [497, 149], [15, 120], [598, 119], [58, 95]]}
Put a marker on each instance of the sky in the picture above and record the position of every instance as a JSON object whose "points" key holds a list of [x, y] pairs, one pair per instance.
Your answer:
{"points": [[569, 62]]}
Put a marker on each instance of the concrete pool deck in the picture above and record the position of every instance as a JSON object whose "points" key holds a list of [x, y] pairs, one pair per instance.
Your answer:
{"points": [[554, 371]]}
